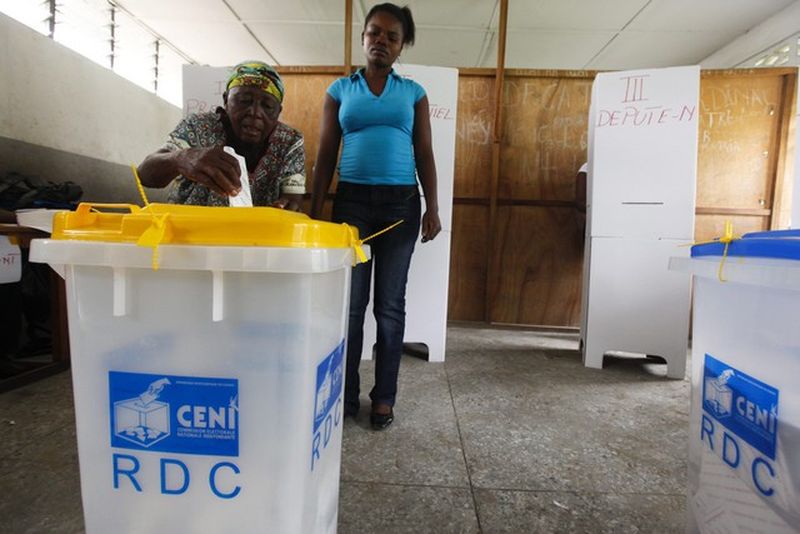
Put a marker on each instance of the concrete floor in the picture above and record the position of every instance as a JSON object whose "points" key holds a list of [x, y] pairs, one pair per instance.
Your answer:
{"points": [[511, 434]]}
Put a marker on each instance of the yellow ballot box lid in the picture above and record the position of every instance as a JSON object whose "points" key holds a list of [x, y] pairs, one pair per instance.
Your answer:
{"points": [[199, 225], [172, 224]]}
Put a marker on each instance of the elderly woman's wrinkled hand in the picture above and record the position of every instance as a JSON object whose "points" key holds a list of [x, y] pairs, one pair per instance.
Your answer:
{"points": [[211, 167]]}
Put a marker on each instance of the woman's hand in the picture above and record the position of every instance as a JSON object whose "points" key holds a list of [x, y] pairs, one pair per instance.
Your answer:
{"points": [[211, 167], [431, 225]]}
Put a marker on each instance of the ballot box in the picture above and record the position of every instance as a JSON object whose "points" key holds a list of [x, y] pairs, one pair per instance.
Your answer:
{"points": [[207, 362], [744, 430]]}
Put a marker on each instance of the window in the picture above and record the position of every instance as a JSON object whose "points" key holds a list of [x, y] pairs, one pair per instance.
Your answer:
{"points": [[784, 54], [35, 14], [135, 52], [107, 35], [85, 27], [170, 67]]}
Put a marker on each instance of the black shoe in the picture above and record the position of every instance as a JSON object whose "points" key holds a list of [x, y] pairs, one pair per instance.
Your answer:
{"points": [[350, 411], [381, 421]]}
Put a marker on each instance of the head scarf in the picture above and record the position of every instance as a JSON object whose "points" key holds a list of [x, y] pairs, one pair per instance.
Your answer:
{"points": [[258, 74]]}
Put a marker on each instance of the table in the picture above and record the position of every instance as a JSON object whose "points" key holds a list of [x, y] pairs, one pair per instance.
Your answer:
{"points": [[60, 356]]}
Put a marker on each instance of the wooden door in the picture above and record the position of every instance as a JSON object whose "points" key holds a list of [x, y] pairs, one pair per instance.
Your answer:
{"points": [[744, 116]]}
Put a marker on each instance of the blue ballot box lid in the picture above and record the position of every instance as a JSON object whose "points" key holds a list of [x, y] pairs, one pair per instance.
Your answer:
{"points": [[779, 244], [775, 233]]}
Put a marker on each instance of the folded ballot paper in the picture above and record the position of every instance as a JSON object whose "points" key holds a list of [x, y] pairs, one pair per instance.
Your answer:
{"points": [[244, 199]]}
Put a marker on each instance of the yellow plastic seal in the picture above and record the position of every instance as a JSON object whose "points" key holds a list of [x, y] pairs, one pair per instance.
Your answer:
{"points": [[728, 238]]}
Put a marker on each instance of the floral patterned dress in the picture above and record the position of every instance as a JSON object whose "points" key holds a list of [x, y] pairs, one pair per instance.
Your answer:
{"points": [[281, 170]]}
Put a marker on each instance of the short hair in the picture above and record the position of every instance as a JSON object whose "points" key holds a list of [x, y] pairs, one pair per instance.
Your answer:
{"points": [[402, 14]]}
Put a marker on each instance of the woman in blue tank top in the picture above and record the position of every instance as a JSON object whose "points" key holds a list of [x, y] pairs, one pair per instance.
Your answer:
{"points": [[382, 122]]}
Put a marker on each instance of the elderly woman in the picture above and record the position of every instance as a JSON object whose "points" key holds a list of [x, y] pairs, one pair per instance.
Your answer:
{"points": [[205, 175]]}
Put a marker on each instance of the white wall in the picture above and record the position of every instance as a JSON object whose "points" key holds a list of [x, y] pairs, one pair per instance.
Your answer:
{"points": [[59, 104]]}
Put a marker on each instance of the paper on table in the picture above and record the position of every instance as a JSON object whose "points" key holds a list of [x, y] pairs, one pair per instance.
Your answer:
{"points": [[244, 199], [10, 261]]}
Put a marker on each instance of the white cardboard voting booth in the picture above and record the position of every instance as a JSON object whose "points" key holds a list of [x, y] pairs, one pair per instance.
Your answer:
{"points": [[426, 297], [203, 87], [640, 210]]}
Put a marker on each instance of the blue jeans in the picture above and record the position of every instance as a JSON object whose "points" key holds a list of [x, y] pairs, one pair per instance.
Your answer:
{"points": [[371, 209]]}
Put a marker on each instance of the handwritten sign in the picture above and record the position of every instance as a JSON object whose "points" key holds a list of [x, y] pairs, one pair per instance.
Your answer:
{"points": [[646, 116], [440, 112], [10, 261], [643, 153], [638, 111]]}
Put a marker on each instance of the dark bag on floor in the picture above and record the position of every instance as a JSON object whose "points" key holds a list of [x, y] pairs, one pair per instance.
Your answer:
{"points": [[23, 192]]}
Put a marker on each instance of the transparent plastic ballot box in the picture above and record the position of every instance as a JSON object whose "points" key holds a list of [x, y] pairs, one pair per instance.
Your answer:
{"points": [[744, 430], [207, 364]]}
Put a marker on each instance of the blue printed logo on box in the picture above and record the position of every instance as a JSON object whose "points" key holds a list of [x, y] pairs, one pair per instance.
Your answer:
{"points": [[179, 414], [330, 380], [745, 405]]}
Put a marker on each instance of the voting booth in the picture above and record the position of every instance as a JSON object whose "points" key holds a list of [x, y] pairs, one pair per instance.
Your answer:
{"points": [[744, 428], [207, 364], [640, 211]]}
